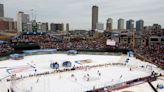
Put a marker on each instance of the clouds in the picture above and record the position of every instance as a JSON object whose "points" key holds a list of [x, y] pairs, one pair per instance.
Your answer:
{"points": [[78, 12]]}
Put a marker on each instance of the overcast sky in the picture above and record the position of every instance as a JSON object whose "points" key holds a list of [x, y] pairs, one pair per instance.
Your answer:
{"points": [[78, 12]]}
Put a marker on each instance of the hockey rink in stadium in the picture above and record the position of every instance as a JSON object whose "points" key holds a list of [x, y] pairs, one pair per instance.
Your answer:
{"points": [[109, 70]]}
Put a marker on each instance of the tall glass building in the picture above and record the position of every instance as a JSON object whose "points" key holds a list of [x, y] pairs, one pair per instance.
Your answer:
{"points": [[139, 25], [1, 10], [94, 17]]}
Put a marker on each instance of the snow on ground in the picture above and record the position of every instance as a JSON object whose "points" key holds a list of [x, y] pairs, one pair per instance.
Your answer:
{"points": [[63, 82], [42, 62], [44, 59]]}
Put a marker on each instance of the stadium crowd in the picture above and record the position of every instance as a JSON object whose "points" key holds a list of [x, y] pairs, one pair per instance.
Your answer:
{"points": [[45, 41], [153, 53], [5, 48], [33, 38]]}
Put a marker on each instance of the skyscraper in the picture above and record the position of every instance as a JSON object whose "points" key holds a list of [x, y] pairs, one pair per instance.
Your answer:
{"points": [[67, 27], [120, 24], [56, 27], [42, 27], [130, 25], [1, 10], [22, 20], [139, 25], [94, 17], [7, 24], [109, 24], [156, 27]]}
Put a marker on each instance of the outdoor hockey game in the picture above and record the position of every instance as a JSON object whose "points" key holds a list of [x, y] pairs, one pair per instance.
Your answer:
{"points": [[72, 73]]}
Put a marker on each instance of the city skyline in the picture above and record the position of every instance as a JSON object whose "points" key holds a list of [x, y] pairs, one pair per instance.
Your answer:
{"points": [[78, 13]]}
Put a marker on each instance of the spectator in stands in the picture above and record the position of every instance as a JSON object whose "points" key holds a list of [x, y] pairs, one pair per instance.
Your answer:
{"points": [[5, 48]]}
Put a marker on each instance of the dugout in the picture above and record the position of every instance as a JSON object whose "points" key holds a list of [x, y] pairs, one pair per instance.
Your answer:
{"points": [[67, 64], [54, 65], [72, 52]]}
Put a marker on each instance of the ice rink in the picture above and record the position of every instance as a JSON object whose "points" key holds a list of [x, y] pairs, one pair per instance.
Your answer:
{"points": [[72, 81]]}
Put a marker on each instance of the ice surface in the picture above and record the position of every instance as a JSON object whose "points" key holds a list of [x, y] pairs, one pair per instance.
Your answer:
{"points": [[63, 82]]}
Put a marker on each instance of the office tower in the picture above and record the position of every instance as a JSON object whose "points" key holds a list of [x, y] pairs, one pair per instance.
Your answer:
{"points": [[156, 27], [130, 25], [67, 27], [52, 27], [120, 24], [22, 20], [34, 26], [7, 24], [94, 17], [1, 10], [42, 27], [29, 27], [109, 24], [56, 27], [139, 25], [39, 27]]}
